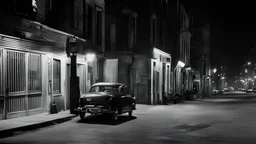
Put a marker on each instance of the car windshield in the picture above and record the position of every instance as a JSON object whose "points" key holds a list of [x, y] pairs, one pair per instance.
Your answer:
{"points": [[108, 89]]}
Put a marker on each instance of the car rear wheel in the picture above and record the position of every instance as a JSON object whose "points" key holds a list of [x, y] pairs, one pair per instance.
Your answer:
{"points": [[82, 115], [115, 115]]}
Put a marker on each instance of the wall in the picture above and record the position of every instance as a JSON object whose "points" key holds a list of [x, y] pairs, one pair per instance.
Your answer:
{"points": [[142, 78]]}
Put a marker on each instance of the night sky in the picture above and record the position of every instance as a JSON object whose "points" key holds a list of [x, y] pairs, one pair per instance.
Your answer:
{"points": [[233, 31]]}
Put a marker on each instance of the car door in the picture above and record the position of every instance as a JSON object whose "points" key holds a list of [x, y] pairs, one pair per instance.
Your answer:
{"points": [[123, 99]]}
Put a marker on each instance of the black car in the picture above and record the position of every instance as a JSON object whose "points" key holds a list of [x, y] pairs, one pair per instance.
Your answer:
{"points": [[109, 98]]}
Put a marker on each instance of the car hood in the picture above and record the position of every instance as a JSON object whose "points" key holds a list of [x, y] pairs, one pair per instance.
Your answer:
{"points": [[96, 94]]}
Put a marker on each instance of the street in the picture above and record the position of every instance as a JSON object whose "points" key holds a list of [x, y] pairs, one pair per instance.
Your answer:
{"points": [[218, 119]]}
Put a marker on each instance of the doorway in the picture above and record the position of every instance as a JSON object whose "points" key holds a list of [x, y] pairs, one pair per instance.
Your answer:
{"points": [[68, 74]]}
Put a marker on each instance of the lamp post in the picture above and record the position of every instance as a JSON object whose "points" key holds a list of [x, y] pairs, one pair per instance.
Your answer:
{"points": [[215, 80], [247, 85], [72, 50]]}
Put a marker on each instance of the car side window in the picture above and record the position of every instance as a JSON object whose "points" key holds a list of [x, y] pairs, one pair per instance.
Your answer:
{"points": [[122, 91], [126, 90]]}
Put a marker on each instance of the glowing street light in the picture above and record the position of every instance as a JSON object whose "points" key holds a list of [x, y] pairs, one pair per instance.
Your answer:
{"points": [[90, 57], [245, 70], [181, 64], [214, 70], [249, 63]]}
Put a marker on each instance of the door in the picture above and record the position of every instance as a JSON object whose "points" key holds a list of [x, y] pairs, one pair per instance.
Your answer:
{"points": [[2, 91], [111, 70], [124, 99], [68, 74]]}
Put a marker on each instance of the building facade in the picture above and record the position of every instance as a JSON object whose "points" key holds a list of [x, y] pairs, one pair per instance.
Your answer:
{"points": [[137, 46], [34, 67], [201, 58], [183, 74]]}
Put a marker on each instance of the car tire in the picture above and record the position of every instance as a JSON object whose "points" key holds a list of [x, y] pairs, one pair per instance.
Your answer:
{"points": [[115, 115], [131, 110], [82, 115]]}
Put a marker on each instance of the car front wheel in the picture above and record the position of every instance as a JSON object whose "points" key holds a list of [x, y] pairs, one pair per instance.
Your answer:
{"points": [[82, 115], [131, 110], [115, 115]]}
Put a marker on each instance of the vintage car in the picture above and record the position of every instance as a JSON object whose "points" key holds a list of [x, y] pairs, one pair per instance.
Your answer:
{"points": [[107, 98]]}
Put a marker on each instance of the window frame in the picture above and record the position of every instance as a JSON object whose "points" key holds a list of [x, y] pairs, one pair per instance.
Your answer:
{"points": [[99, 23], [53, 90], [21, 13], [39, 73]]}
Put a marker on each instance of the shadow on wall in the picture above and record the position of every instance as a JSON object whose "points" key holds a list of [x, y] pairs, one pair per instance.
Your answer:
{"points": [[60, 103]]}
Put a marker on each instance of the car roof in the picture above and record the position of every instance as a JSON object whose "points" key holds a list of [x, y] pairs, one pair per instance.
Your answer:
{"points": [[107, 84]]}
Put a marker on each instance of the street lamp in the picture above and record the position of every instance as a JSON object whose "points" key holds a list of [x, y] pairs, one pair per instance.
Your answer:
{"points": [[249, 63], [214, 70], [181, 64]]}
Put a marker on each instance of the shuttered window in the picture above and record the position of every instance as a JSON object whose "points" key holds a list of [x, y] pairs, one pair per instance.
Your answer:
{"points": [[34, 72], [16, 71], [56, 76]]}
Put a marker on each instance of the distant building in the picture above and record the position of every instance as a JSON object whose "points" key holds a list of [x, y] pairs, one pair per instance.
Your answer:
{"points": [[200, 57], [136, 49]]}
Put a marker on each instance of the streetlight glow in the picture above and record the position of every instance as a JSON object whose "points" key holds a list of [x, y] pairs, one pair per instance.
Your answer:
{"points": [[214, 70], [181, 64], [249, 63], [89, 57]]}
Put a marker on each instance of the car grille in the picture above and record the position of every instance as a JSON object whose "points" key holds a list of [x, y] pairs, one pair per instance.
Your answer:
{"points": [[96, 103]]}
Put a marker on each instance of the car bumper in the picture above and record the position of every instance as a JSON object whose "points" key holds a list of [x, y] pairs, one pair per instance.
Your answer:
{"points": [[93, 109]]}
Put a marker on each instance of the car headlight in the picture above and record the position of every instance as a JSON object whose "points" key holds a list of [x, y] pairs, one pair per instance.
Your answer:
{"points": [[110, 99]]}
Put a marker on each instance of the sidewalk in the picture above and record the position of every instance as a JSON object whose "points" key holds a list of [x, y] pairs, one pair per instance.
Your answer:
{"points": [[10, 126]]}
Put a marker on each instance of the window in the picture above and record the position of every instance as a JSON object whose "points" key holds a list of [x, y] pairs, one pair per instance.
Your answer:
{"points": [[110, 36], [81, 75], [56, 76], [49, 4], [107, 89], [34, 72], [74, 14], [23, 7], [154, 31], [99, 27], [160, 33], [89, 23], [122, 91], [126, 90], [132, 32], [1, 72], [16, 71], [85, 18]]}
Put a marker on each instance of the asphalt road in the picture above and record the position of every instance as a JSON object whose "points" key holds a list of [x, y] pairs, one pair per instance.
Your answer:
{"points": [[219, 119]]}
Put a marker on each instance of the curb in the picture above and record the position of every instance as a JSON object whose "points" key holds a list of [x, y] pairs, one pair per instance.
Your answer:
{"points": [[17, 130]]}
